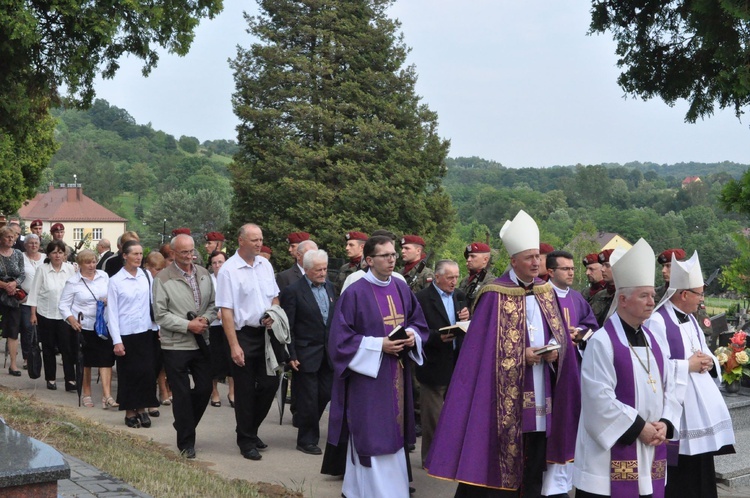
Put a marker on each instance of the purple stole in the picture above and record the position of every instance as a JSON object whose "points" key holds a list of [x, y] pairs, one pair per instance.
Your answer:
{"points": [[624, 465], [568, 307], [676, 352]]}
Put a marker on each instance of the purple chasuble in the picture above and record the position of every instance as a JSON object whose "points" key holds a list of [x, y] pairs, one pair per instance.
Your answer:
{"points": [[478, 439], [374, 411], [624, 470]]}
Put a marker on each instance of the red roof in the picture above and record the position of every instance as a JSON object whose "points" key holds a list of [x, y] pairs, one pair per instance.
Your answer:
{"points": [[66, 204]]}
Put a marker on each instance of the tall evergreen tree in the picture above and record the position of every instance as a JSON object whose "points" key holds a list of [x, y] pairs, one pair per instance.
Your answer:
{"points": [[333, 136]]}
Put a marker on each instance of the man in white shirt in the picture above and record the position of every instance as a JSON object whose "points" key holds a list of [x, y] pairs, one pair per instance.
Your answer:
{"points": [[246, 288]]}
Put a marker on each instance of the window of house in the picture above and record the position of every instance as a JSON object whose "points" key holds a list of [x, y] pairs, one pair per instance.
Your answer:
{"points": [[96, 233], [77, 233]]}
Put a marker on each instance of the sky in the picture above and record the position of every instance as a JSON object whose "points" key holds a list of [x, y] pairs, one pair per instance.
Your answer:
{"points": [[520, 83]]}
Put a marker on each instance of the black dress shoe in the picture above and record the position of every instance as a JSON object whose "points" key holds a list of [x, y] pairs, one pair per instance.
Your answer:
{"points": [[70, 387], [145, 420], [133, 422], [310, 449], [14, 373], [153, 412], [252, 454], [188, 452], [260, 444], [51, 386], [412, 490]]}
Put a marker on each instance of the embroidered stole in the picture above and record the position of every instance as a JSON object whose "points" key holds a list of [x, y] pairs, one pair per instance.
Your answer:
{"points": [[624, 458]]}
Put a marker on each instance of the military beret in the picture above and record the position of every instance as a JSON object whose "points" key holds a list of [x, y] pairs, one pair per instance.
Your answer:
{"points": [[297, 237], [590, 258], [357, 236], [604, 255], [57, 227], [412, 239], [545, 248], [666, 256], [38, 223], [214, 237], [475, 248], [266, 249], [181, 231]]}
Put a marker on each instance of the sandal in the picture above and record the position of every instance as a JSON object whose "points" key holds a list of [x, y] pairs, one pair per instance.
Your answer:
{"points": [[88, 402], [167, 401], [109, 402]]}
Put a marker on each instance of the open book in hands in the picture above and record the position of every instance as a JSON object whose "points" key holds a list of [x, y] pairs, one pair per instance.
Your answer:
{"points": [[458, 329]]}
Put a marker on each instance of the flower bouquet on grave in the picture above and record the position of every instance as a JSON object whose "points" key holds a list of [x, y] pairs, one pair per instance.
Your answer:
{"points": [[734, 360]]}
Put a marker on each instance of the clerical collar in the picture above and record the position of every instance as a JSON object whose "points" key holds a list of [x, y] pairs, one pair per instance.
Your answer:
{"points": [[560, 292], [635, 337], [521, 283], [374, 280], [681, 317]]}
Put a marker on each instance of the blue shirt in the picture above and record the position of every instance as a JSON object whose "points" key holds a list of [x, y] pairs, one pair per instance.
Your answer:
{"points": [[447, 303], [321, 297]]}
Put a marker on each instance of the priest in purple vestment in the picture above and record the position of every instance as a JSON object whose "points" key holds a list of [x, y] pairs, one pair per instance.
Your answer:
{"points": [[371, 405], [509, 410]]}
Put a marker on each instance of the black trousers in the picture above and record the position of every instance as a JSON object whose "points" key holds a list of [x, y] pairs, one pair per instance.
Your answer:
{"points": [[57, 334], [693, 477], [254, 390], [188, 404], [534, 465], [313, 392]]}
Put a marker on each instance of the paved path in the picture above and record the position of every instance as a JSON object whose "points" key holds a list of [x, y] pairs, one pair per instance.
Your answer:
{"points": [[216, 447]]}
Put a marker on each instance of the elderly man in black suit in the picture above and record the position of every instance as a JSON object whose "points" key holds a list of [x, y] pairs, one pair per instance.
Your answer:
{"points": [[443, 305], [309, 304], [287, 277]]}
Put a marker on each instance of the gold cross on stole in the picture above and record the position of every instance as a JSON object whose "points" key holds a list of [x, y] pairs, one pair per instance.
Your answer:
{"points": [[394, 318]]}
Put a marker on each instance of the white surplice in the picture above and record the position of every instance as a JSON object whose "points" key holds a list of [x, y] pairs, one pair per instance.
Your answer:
{"points": [[705, 425], [604, 419]]}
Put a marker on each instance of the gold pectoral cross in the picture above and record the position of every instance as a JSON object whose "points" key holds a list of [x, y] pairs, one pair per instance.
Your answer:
{"points": [[652, 382], [394, 318]]}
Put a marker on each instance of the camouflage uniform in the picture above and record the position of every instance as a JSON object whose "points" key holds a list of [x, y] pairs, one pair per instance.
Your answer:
{"points": [[425, 278], [600, 304], [465, 284], [344, 272]]}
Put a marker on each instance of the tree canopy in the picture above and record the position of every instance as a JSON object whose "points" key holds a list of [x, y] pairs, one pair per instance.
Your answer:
{"points": [[53, 44], [332, 133], [693, 50]]}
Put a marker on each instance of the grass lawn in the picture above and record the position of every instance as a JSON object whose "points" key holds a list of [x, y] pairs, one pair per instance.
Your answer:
{"points": [[126, 457], [716, 305]]}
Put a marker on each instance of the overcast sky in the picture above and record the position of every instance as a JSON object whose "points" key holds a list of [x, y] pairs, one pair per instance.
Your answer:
{"points": [[517, 82]]}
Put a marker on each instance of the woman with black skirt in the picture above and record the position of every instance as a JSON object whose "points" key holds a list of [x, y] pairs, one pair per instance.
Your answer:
{"points": [[78, 299], [133, 331]]}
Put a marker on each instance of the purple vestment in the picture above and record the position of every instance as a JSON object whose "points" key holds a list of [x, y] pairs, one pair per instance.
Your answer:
{"points": [[577, 311], [478, 439], [371, 409]]}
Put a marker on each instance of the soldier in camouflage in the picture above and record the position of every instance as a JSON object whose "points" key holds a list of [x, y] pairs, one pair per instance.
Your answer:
{"points": [[355, 243], [593, 275], [416, 272], [477, 257], [602, 300]]}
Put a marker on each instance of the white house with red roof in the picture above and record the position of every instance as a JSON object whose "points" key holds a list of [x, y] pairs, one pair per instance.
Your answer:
{"points": [[82, 216]]}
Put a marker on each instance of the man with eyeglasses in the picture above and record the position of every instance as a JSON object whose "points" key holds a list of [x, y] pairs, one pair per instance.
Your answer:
{"points": [[705, 424], [371, 405], [665, 260]]}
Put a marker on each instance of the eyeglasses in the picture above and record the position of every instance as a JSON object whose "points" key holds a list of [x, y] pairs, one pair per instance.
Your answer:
{"points": [[392, 255], [565, 268], [701, 294]]}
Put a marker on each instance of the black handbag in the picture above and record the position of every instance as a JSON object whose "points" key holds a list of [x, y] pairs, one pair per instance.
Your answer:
{"points": [[34, 360]]}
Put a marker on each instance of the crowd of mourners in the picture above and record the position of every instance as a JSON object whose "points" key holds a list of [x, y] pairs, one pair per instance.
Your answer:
{"points": [[518, 385]]}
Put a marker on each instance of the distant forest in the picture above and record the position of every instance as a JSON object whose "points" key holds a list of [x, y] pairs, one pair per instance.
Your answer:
{"points": [[148, 176]]}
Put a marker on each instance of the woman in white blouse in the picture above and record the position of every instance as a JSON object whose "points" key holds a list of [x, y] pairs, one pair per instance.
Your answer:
{"points": [[78, 299], [32, 259], [54, 333], [133, 335]]}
